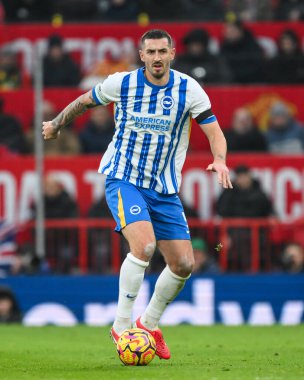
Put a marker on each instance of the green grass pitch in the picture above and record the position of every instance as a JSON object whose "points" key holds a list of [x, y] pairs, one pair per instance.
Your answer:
{"points": [[213, 353]]}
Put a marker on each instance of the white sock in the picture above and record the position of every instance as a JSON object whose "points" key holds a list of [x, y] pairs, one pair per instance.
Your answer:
{"points": [[131, 277], [167, 287]]}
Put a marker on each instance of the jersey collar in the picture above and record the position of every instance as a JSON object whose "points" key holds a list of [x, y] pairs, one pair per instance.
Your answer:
{"points": [[155, 86]]}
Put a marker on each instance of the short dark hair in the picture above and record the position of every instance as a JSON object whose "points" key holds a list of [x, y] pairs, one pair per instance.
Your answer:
{"points": [[55, 40], [156, 34], [242, 169], [197, 35]]}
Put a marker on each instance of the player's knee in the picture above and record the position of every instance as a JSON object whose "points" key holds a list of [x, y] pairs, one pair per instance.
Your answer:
{"points": [[183, 267], [149, 249], [144, 250]]}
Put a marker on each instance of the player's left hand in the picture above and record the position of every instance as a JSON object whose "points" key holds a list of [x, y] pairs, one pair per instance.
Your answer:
{"points": [[222, 174]]}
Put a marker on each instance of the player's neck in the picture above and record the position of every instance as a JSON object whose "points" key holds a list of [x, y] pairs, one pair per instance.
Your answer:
{"points": [[158, 82]]}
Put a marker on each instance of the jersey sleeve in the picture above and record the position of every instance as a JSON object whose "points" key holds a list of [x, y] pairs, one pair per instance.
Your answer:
{"points": [[109, 90], [199, 100]]}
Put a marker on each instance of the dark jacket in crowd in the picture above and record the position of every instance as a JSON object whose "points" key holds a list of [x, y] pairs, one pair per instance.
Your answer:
{"points": [[201, 10], [284, 8], [100, 209], [95, 140], [125, 11], [244, 58], [11, 134], [75, 10], [160, 9], [33, 10], [60, 73], [249, 203], [251, 141], [60, 206], [207, 68], [286, 68]]}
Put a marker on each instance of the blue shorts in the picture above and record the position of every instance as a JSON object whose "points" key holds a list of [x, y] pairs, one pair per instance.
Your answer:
{"points": [[129, 203]]}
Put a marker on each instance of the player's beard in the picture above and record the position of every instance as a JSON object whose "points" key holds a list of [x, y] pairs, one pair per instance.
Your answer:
{"points": [[161, 73]]}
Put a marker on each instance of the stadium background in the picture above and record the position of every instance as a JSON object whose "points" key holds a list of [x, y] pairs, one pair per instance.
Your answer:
{"points": [[256, 280]]}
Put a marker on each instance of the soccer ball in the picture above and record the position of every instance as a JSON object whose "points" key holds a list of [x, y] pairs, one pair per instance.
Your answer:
{"points": [[136, 347]]}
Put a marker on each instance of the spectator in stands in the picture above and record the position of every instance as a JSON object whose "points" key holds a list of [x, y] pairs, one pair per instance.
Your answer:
{"points": [[201, 10], [285, 134], [120, 10], [9, 308], [60, 243], [98, 131], [110, 64], [10, 73], [243, 54], [68, 144], [204, 262], [162, 10], [251, 10], [289, 56], [198, 62], [59, 69], [292, 10], [73, 10], [57, 202], [293, 258], [100, 209], [11, 132], [247, 200], [243, 136], [27, 10]]}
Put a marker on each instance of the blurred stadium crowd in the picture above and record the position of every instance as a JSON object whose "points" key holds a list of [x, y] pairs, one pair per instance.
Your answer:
{"points": [[131, 10], [240, 59]]}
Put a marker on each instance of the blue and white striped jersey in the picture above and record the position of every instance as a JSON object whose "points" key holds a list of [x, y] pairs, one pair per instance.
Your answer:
{"points": [[152, 127]]}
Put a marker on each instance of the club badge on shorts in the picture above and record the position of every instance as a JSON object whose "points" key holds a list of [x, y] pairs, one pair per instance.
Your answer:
{"points": [[135, 210]]}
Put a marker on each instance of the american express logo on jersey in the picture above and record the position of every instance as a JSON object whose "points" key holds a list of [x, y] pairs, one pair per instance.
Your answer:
{"points": [[154, 124]]}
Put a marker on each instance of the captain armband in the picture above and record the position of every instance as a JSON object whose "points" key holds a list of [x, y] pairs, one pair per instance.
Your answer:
{"points": [[206, 117]]}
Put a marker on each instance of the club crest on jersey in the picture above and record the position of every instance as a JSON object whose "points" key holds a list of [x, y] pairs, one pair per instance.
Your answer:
{"points": [[167, 102], [134, 210]]}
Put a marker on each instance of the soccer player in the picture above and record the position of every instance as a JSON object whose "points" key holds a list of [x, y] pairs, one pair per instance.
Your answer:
{"points": [[143, 163]]}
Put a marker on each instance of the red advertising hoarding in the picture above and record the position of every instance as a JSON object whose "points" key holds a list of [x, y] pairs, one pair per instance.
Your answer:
{"points": [[282, 177]]}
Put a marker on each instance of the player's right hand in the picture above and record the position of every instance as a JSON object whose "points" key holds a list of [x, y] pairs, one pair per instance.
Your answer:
{"points": [[222, 173], [49, 131]]}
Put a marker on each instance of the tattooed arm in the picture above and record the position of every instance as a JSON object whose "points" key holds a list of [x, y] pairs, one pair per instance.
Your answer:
{"points": [[51, 129], [218, 147]]}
